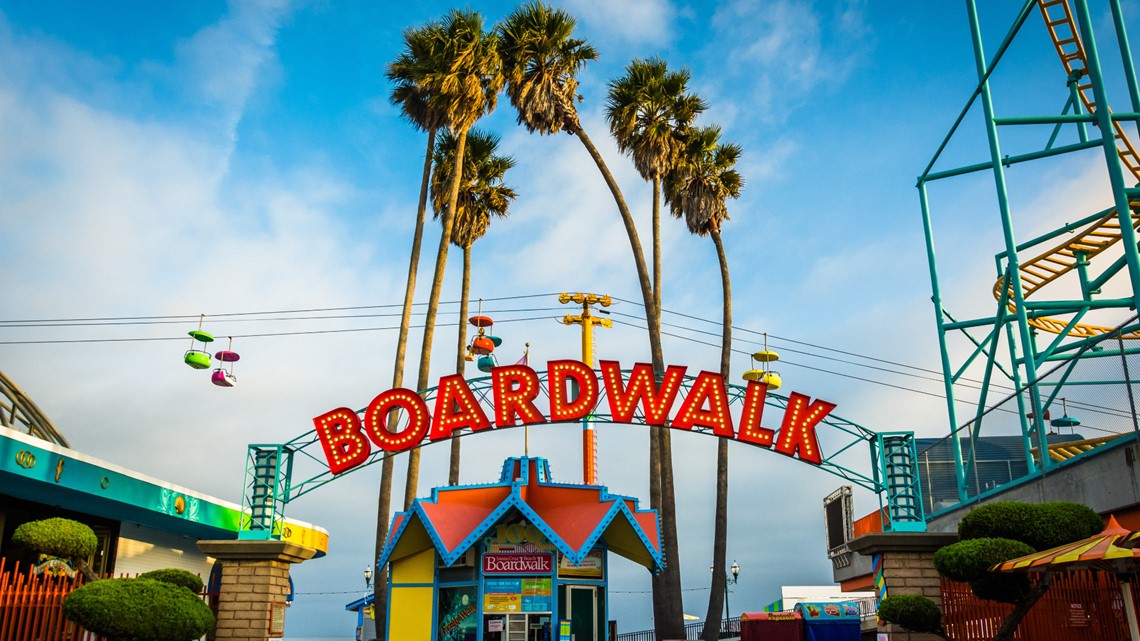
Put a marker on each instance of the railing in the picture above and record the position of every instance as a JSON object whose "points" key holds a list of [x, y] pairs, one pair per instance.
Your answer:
{"points": [[31, 606], [729, 629], [1079, 605]]}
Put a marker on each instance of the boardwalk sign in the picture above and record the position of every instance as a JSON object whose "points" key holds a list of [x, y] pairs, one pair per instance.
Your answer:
{"points": [[574, 392]]}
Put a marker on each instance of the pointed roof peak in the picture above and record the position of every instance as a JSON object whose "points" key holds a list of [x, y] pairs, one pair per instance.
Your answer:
{"points": [[525, 470], [573, 518]]}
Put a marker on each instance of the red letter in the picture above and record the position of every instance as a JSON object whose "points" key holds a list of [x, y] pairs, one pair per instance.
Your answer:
{"points": [[557, 373], [516, 387], [456, 408], [710, 387], [345, 447], [797, 434], [376, 419], [655, 403], [750, 430]]}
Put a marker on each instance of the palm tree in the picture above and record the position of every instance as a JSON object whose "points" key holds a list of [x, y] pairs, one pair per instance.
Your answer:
{"points": [[703, 177], [649, 110], [404, 72], [541, 59], [482, 195], [461, 81]]}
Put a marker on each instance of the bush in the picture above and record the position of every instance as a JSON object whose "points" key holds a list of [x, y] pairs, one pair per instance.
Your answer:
{"points": [[1062, 523], [139, 610], [57, 537], [175, 576], [1002, 587], [1039, 525], [912, 612], [970, 560], [1006, 520]]}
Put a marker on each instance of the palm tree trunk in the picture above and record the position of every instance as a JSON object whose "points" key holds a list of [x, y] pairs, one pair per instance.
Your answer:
{"points": [[657, 242], [668, 615], [720, 523], [461, 357], [448, 219], [384, 503]]}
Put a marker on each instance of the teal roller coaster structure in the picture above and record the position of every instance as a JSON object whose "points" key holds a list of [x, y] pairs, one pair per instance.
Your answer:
{"points": [[1041, 338]]}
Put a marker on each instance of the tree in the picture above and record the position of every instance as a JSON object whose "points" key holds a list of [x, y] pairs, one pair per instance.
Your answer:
{"points": [[993, 534], [406, 72], [703, 177], [156, 606], [461, 82], [66, 539], [541, 60], [649, 110], [482, 195]]}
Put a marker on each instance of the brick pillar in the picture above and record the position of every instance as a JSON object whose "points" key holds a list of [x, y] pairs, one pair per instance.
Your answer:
{"points": [[906, 563], [255, 579]]}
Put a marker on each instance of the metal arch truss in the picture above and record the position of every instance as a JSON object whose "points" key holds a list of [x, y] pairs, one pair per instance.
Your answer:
{"points": [[269, 486]]}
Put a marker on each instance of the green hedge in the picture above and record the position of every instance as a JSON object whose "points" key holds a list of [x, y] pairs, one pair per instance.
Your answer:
{"points": [[1039, 525], [139, 610], [175, 576], [971, 559], [912, 612], [63, 538]]}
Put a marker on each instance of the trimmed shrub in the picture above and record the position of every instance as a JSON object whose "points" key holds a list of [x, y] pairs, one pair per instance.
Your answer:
{"points": [[1039, 525], [1006, 520], [912, 612], [1000, 586], [971, 559], [1061, 522], [63, 538], [139, 610], [175, 576]]}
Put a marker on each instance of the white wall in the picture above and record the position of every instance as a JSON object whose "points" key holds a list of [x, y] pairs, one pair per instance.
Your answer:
{"points": [[142, 549]]}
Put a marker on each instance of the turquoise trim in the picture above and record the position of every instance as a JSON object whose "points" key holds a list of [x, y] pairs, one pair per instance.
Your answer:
{"points": [[42, 472], [515, 501], [78, 483]]}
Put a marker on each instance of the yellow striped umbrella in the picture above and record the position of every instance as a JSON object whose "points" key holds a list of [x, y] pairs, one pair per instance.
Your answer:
{"points": [[1100, 552]]}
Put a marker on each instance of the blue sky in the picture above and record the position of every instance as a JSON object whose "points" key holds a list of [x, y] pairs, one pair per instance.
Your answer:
{"points": [[206, 157]]}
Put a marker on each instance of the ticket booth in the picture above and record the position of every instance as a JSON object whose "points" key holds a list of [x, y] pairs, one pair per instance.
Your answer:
{"points": [[508, 561]]}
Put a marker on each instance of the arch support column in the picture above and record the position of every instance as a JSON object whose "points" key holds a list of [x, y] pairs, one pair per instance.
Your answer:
{"points": [[255, 582]]}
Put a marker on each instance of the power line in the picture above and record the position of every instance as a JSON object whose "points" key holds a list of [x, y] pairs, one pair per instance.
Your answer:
{"points": [[261, 335], [247, 319], [279, 311]]}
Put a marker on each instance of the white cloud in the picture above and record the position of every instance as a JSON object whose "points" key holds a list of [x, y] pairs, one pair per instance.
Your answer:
{"points": [[633, 21], [785, 50]]}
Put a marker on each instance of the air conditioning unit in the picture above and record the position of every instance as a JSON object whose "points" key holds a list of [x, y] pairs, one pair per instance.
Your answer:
{"points": [[465, 561]]}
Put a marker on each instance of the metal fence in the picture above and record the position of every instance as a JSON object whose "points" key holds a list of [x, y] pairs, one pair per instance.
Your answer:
{"points": [[729, 629], [1080, 605], [1088, 394]]}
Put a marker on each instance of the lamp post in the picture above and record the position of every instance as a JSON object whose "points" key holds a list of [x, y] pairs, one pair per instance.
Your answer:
{"points": [[735, 569], [368, 576]]}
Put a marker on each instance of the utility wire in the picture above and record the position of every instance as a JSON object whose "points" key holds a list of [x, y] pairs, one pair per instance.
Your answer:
{"points": [[279, 311], [263, 335], [248, 319], [253, 316]]}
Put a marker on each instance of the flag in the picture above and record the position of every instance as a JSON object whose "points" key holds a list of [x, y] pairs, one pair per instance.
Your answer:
{"points": [[524, 360]]}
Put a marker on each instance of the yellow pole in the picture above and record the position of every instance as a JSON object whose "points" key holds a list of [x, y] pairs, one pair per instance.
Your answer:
{"points": [[587, 321]]}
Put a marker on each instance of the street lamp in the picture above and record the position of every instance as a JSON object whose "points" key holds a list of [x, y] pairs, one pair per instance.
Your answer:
{"points": [[368, 576], [735, 569]]}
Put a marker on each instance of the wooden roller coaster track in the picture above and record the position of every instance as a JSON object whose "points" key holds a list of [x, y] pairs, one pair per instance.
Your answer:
{"points": [[19, 412], [1103, 233]]}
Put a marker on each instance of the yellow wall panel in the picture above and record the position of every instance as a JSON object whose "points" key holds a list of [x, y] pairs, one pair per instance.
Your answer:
{"points": [[409, 614], [417, 568]]}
